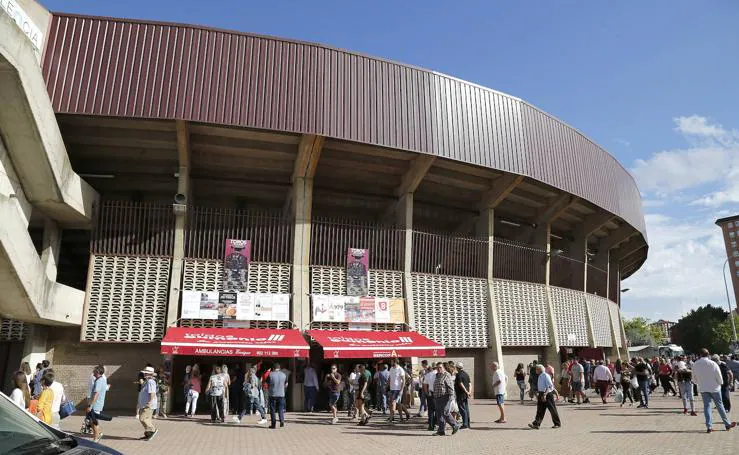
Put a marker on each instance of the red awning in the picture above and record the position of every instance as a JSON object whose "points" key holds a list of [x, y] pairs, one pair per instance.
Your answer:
{"points": [[362, 344], [235, 342]]}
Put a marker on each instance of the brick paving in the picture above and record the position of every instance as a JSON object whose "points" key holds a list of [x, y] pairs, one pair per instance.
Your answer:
{"points": [[662, 429]]}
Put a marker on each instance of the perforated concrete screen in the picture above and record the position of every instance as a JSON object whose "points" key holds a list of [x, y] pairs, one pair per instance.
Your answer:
{"points": [[570, 316], [126, 299], [600, 319], [12, 330], [332, 281], [451, 310], [616, 321], [206, 275], [522, 309]]}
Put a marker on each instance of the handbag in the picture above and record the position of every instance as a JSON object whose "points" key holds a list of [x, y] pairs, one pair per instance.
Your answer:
{"points": [[634, 383], [67, 409]]}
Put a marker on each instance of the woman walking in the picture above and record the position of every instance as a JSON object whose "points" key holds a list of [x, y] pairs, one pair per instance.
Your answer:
{"points": [[564, 382], [215, 391], [520, 375], [193, 391], [21, 394]]}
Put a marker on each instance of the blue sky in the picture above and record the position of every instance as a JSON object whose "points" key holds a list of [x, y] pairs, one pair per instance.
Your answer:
{"points": [[653, 82]]}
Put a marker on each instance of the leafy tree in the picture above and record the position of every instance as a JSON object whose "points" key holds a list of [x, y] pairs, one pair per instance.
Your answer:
{"points": [[705, 327], [639, 331]]}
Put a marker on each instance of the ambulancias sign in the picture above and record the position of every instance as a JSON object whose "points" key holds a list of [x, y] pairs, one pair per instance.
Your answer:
{"points": [[24, 22]]}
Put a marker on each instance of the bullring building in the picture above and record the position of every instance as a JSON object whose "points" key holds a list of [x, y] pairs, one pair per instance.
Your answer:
{"points": [[176, 194]]}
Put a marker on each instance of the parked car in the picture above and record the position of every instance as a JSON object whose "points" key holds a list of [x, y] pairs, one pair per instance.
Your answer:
{"points": [[24, 434]]}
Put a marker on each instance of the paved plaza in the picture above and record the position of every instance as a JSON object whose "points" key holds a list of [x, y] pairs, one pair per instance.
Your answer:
{"points": [[587, 429]]}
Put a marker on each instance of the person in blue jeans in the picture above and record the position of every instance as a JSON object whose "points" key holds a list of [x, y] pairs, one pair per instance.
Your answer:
{"points": [[277, 386], [251, 396], [643, 372], [707, 375]]}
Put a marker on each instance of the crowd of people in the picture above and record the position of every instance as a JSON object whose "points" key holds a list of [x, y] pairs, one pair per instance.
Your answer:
{"points": [[441, 390]]}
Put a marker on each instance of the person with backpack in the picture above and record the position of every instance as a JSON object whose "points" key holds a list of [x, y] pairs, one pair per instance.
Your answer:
{"points": [[251, 394], [215, 390], [383, 382]]}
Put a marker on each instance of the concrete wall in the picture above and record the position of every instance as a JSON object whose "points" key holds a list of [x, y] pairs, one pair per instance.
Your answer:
{"points": [[73, 362]]}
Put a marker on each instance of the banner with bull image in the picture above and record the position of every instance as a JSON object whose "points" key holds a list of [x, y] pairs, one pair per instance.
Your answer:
{"points": [[357, 272], [236, 265]]}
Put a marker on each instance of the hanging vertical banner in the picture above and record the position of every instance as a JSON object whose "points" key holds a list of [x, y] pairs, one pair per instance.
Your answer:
{"points": [[357, 272], [236, 265]]}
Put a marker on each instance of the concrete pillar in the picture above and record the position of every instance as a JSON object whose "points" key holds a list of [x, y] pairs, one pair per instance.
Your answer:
{"points": [[302, 205], [405, 220], [495, 352], [34, 346], [551, 352], [50, 248]]}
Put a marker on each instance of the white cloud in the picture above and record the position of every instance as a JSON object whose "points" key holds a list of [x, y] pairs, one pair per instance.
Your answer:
{"points": [[623, 142], [708, 169], [683, 269]]}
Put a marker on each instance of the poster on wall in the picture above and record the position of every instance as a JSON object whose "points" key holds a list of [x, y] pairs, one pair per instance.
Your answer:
{"points": [[244, 306], [262, 307], [357, 272], [199, 305], [236, 265], [356, 310]]}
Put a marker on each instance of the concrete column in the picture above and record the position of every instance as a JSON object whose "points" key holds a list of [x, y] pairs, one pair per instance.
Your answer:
{"points": [[495, 352], [34, 346], [551, 352], [405, 220], [50, 248], [302, 214]]}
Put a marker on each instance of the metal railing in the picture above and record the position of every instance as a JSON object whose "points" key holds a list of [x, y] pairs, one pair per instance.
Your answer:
{"points": [[332, 237], [514, 261], [447, 254], [597, 281], [126, 228]]}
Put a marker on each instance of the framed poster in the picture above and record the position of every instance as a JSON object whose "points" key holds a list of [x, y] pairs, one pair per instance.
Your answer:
{"points": [[236, 265], [357, 272], [241, 306], [356, 310]]}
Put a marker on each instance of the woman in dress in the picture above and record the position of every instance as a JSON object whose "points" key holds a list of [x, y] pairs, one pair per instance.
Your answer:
{"points": [[227, 384]]}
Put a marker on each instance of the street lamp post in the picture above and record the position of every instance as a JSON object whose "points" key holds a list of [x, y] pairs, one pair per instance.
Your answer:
{"points": [[728, 300]]}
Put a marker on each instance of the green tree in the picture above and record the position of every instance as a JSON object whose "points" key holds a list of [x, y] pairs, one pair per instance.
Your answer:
{"points": [[639, 331], [705, 327]]}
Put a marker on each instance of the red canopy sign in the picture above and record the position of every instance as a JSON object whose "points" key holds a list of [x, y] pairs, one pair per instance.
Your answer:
{"points": [[235, 342], [360, 344]]}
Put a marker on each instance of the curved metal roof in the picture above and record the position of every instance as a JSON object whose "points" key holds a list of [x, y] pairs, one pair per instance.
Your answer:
{"points": [[132, 68]]}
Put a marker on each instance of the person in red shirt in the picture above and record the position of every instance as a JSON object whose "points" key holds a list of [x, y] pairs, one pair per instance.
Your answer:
{"points": [[665, 376]]}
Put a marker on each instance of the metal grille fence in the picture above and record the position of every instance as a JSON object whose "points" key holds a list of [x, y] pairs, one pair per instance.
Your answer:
{"points": [[597, 280], [570, 316], [332, 237], [451, 310], [522, 312], [444, 254], [513, 261], [126, 299], [208, 228], [600, 320], [125, 228], [566, 272]]}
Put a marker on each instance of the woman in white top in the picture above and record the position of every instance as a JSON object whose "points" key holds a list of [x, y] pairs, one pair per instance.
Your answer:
{"points": [[227, 385], [21, 395], [56, 403]]}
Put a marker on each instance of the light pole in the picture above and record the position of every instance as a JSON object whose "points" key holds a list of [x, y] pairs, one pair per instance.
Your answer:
{"points": [[728, 300]]}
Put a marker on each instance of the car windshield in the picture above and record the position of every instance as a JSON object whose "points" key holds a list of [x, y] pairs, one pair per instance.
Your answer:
{"points": [[19, 430]]}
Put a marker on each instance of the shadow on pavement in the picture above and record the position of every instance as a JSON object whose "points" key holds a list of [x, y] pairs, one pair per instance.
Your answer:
{"points": [[646, 431]]}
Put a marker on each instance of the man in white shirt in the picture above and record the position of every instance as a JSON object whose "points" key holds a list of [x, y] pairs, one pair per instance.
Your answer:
{"points": [[603, 377], [353, 385], [396, 384], [500, 382], [428, 389], [310, 387], [707, 375]]}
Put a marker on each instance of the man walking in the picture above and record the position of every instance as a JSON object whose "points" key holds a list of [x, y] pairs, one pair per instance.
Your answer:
{"points": [[499, 385], [577, 374], [443, 395], [148, 403], [707, 375], [463, 392], [310, 387], [643, 372], [603, 378], [277, 386], [383, 380], [429, 379], [397, 383], [545, 400], [728, 379], [333, 381], [96, 401]]}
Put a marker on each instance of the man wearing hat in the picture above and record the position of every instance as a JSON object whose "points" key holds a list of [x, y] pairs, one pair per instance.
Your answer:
{"points": [[148, 403], [462, 391]]}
